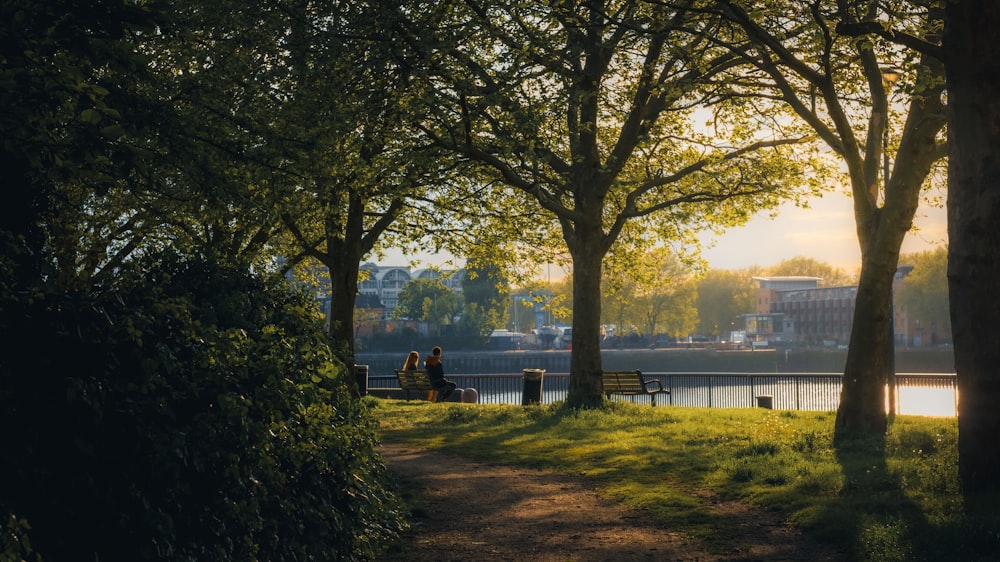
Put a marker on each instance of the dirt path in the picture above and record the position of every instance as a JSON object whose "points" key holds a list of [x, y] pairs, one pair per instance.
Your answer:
{"points": [[470, 510]]}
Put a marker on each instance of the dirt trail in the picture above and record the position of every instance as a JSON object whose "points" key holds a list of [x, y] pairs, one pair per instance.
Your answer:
{"points": [[477, 511]]}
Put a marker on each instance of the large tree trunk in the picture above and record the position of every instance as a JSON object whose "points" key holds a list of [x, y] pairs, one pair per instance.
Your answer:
{"points": [[973, 71], [862, 400], [343, 292], [348, 240], [585, 386], [343, 267], [344, 249]]}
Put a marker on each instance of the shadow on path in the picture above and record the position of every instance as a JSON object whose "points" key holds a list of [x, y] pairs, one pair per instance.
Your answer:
{"points": [[470, 510]]}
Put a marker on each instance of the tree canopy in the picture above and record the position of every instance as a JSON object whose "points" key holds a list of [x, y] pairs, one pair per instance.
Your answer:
{"points": [[585, 115], [829, 275]]}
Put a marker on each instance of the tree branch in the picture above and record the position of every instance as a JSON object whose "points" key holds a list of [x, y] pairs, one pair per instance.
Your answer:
{"points": [[900, 38]]}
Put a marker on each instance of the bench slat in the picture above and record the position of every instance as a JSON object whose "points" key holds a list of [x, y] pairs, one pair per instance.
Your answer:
{"points": [[413, 380]]}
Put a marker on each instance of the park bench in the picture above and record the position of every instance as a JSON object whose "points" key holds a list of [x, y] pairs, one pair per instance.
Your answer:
{"points": [[415, 380], [631, 383]]}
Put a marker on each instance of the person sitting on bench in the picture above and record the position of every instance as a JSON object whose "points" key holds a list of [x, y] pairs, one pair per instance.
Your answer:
{"points": [[435, 370], [411, 361]]}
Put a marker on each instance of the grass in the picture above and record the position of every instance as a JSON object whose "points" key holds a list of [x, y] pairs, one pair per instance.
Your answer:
{"points": [[891, 498]]}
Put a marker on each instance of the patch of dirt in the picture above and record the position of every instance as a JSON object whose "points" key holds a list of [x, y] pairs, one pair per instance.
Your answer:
{"points": [[470, 510]]}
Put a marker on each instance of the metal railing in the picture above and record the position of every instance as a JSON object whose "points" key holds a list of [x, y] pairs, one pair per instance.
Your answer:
{"points": [[917, 393]]}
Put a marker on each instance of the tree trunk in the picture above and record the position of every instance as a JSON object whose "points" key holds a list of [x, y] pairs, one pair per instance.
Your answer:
{"points": [[973, 72], [862, 400], [347, 243], [588, 244], [585, 386], [343, 292], [880, 233], [343, 269]]}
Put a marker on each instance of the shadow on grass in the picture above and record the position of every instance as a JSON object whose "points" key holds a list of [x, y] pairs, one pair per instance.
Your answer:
{"points": [[886, 497], [887, 524], [627, 465]]}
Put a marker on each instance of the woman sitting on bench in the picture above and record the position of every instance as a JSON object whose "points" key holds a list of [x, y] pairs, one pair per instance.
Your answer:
{"points": [[411, 361]]}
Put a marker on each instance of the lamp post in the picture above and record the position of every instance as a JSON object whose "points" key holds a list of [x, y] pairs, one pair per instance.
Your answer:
{"points": [[889, 77]]}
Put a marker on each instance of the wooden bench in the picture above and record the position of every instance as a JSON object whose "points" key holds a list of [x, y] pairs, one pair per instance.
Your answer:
{"points": [[631, 383], [415, 380]]}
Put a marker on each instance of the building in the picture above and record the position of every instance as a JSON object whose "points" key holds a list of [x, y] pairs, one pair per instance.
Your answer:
{"points": [[385, 282], [796, 310]]}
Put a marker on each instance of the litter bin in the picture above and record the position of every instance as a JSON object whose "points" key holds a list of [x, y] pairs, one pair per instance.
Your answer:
{"points": [[532, 393], [765, 401], [361, 378]]}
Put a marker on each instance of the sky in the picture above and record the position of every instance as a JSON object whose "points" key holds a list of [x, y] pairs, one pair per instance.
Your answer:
{"points": [[825, 232]]}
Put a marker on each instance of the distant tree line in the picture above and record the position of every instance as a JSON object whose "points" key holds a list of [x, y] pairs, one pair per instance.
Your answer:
{"points": [[661, 296]]}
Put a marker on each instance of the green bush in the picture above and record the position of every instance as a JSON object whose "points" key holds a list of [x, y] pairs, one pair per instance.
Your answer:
{"points": [[195, 412]]}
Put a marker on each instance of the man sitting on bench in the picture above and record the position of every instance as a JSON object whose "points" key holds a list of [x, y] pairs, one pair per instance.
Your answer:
{"points": [[435, 370]]}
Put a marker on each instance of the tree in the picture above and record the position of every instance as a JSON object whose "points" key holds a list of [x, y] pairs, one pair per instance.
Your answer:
{"points": [[583, 112], [428, 300], [819, 62], [924, 295], [802, 266], [347, 164], [973, 70], [66, 71], [656, 295], [723, 296], [485, 293]]}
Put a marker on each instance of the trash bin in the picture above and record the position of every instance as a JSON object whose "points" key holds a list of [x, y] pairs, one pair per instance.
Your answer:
{"points": [[532, 393], [765, 401], [361, 378]]}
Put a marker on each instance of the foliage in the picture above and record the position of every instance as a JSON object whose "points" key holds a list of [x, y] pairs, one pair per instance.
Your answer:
{"points": [[925, 290], [880, 497], [808, 267], [723, 296], [485, 292], [427, 300], [64, 92], [655, 295], [194, 413]]}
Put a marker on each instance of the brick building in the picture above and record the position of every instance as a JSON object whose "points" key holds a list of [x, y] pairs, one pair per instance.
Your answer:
{"points": [[796, 310]]}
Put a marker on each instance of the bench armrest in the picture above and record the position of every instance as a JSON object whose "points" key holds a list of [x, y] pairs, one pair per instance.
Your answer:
{"points": [[656, 382]]}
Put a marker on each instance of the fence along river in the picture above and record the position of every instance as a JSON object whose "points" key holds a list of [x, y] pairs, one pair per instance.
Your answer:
{"points": [[497, 376]]}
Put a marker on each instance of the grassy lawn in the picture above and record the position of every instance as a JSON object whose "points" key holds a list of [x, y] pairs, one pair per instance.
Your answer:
{"points": [[896, 498]]}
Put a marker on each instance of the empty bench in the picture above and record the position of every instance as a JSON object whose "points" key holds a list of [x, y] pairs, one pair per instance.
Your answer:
{"points": [[631, 383], [414, 380]]}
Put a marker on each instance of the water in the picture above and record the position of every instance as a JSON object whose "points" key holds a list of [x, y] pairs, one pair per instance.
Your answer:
{"points": [[917, 394]]}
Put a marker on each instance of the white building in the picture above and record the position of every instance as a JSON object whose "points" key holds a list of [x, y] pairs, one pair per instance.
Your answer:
{"points": [[385, 282]]}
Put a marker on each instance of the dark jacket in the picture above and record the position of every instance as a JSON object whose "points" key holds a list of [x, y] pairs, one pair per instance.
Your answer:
{"points": [[435, 370]]}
